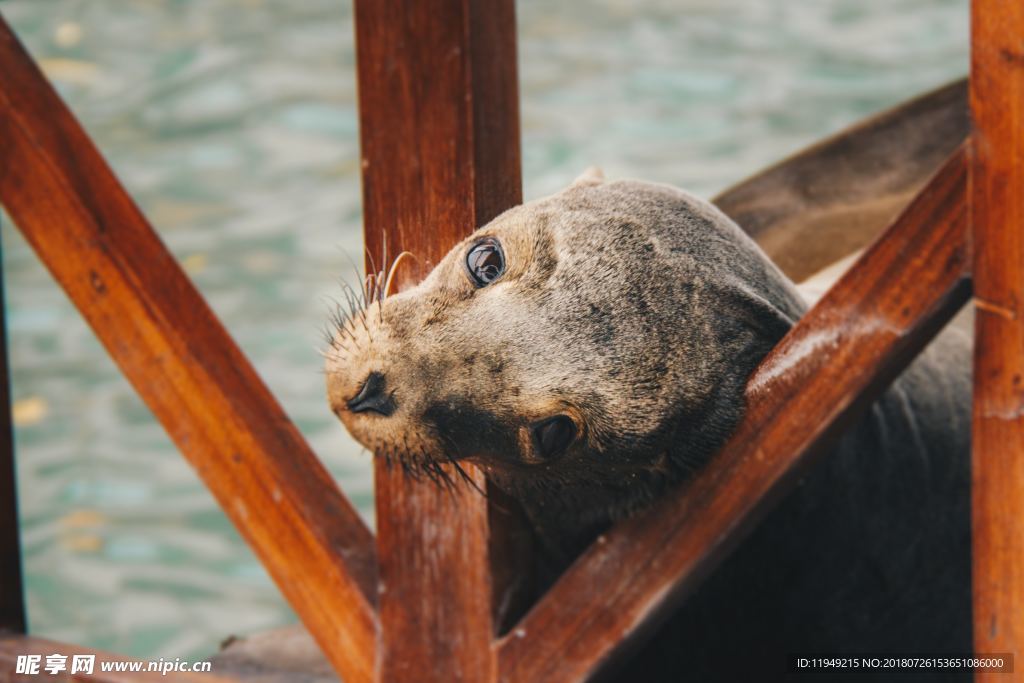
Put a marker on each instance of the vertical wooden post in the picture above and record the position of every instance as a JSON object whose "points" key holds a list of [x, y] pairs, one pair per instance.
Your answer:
{"points": [[440, 146], [12, 599], [997, 215]]}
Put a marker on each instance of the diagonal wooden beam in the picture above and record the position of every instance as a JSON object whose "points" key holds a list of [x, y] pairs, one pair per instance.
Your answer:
{"points": [[820, 376], [181, 361], [440, 144], [997, 218]]}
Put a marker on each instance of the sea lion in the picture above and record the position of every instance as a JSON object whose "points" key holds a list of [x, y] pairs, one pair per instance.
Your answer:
{"points": [[589, 350]]}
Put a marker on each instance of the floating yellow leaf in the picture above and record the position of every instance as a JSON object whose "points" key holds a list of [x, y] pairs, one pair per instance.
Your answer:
{"points": [[194, 263], [85, 543], [29, 411], [68, 34], [84, 518], [69, 70]]}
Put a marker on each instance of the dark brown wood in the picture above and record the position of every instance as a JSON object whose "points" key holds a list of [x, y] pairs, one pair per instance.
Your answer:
{"points": [[13, 646], [435, 585], [513, 580], [997, 219], [822, 374], [179, 358], [12, 598], [838, 195], [440, 145]]}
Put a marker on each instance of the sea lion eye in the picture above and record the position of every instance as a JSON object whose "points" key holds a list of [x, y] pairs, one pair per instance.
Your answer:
{"points": [[553, 435], [485, 261]]}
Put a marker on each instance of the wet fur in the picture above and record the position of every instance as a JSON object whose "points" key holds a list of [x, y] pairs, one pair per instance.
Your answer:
{"points": [[641, 311]]}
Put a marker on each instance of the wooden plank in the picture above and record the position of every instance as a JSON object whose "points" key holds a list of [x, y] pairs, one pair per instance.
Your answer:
{"points": [[172, 348], [12, 594], [821, 375], [835, 197], [13, 646], [440, 144], [997, 218]]}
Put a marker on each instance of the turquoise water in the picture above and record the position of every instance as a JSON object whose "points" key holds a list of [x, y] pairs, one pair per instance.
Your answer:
{"points": [[233, 123]]}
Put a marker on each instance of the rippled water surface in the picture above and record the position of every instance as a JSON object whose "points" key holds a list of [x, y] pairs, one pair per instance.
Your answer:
{"points": [[233, 123]]}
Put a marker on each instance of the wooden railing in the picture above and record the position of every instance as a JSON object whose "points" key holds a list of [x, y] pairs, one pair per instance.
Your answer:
{"points": [[439, 123], [996, 200]]}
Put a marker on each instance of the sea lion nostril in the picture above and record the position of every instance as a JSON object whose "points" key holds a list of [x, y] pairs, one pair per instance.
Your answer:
{"points": [[553, 435], [373, 397]]}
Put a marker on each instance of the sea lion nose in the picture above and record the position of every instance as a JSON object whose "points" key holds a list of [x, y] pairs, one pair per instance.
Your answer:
{"points": [[373, 397]]}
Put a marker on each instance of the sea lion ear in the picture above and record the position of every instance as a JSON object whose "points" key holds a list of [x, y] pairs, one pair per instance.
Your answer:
{"points": [[592, 176]]}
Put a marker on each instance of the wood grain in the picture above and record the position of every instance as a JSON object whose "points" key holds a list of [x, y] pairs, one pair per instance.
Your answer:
{"points": [[12, 599], [820, 377], [997, 219], [13, 646], [181, 361], [440, 144], [835, 197]]}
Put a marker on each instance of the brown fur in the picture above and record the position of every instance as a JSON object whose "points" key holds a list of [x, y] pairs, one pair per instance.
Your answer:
{"points": [[610, 312], [640, 312]]}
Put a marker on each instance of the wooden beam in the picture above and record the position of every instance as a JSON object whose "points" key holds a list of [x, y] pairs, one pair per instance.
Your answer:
{"points": [[179, 358], [11, 647], [997, 219], [821, 375], [440, 145], [12, 593]]}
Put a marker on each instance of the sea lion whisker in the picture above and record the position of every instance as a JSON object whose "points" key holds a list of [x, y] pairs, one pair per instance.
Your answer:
{"points": [[383, 256], [464, 475], [326, 335], [333, 313], [339, 321], [351, 298], [356, 295], [391, 273], [326, 355], [429, 473], [347, 286], [369, 287], [355, 268], [373, 264], [408, 470], [443, 476], [361, 316], [343, 330], [331, 357]]}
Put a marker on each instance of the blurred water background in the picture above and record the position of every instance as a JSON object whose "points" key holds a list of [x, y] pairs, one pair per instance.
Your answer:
{"points": [[233, 123]]}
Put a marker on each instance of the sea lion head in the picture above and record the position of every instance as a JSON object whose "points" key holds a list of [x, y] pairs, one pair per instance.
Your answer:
{"points": [[590, 347]]}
